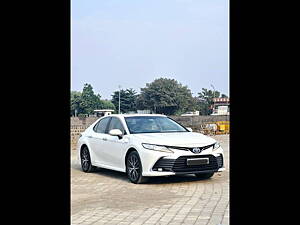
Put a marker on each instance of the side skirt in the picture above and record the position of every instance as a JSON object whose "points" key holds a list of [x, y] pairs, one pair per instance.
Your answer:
{"points": [[109, 167]]}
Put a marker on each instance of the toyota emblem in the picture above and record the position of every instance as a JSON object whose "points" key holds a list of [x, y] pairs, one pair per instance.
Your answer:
{"points": [[196, 150]]}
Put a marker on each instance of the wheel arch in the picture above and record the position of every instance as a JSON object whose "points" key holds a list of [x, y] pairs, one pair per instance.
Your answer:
{"points": [[85, 145], [131, 149], [141, 179]]}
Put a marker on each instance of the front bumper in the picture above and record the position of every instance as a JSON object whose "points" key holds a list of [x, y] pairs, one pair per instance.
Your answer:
{"points": [[166, 164], [159, 174]]}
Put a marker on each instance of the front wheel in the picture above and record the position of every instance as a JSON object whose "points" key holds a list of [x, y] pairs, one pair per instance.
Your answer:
{"points": [[134, 168], [204, 175]]}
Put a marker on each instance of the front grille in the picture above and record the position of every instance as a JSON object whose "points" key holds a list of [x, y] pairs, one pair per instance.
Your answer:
{"points": [[191, 149], [203, 148], [180, 164]]}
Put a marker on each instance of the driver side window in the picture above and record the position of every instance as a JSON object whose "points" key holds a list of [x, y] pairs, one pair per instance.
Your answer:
{"points": [[115, 123], [101, 125]]}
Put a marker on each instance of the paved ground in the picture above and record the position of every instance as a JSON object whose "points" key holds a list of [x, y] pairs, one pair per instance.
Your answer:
{"points": [[107, 197]]}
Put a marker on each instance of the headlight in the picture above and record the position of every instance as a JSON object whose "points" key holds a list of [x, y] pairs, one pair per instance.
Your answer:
{"points": [[216, 146], [157, 148]]}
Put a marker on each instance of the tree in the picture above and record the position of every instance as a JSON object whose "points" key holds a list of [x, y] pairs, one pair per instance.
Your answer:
{"points": [[166, 96], [75, 102], [89, 101], [128, 99], [205, 100], [106, 104]]}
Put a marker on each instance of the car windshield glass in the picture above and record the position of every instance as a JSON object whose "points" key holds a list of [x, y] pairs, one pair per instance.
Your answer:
{"points": [[152, 124]]}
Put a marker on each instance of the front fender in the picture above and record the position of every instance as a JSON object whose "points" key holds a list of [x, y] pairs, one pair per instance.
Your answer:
{"points": [[132, 146]]}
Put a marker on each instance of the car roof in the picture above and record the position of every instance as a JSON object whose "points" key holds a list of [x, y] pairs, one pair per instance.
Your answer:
{"points": [[137, 115]]}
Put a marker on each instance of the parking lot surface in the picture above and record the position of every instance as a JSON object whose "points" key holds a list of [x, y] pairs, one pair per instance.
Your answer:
{"points": [[107, 197]]}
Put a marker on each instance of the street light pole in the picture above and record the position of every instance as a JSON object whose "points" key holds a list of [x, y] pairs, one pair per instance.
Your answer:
{"points": [[214, 90], [119, 100], [214, 96]]}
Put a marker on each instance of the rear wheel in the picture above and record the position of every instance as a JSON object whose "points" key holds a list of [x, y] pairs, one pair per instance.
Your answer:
{"points": [[86, 163], [204, 175], [134, 168]]}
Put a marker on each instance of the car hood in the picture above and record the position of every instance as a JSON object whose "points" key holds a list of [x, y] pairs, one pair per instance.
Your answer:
{"points": [[180, 139]]}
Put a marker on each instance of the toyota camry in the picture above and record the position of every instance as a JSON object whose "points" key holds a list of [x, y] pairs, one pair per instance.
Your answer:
{"points": [[147, 145]]}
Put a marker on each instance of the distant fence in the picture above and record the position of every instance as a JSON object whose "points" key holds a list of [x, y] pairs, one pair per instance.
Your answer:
{"points": [[196, 121], [75, 132], [83, 121], [78, 124]]}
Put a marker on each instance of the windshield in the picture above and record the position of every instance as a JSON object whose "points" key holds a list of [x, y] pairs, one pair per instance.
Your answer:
{"points": [[152, 124]]}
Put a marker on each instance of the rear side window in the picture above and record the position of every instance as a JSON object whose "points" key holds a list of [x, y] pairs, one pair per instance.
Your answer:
{"points": [[115, 123], [101, 125]]}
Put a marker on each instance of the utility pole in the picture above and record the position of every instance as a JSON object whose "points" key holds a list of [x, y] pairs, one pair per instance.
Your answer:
{"points": [[214, 90], [214, 96], [119, 99]]}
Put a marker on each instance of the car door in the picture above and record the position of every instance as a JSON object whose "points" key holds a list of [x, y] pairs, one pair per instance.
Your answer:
{"points": [[97, 140], [115, 148]]}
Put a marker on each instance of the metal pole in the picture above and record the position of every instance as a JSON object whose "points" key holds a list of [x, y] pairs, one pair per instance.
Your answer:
{"points": [[214, 96], [119, 100], [214, 90]]}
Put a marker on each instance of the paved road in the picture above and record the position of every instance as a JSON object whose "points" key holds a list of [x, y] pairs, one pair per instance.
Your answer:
{"points": [[107, 197]]}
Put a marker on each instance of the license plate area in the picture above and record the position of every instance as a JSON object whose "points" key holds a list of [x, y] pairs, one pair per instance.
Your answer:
{"points": [[197, 161]]}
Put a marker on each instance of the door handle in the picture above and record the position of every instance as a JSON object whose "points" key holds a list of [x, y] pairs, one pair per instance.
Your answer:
{"points": [[89, 136], [104, 139]]}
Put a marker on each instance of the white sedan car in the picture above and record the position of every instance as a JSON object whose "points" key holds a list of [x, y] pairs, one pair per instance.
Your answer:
{"points": [[145, 145]]}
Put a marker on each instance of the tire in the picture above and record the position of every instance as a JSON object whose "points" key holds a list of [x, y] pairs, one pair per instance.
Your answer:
{"points": [[86, 164], [134, 168], [204, 175]]}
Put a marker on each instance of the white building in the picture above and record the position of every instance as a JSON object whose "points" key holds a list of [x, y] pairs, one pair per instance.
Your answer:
{"points": [[221, 106], [103, 112]]}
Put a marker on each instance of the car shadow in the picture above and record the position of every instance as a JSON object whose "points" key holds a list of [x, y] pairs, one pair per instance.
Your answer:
{"points": [[150, 181], [111, 174], [175, 179], [103, 172]]}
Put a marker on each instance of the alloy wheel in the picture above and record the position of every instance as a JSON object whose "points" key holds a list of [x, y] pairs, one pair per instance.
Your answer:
{"points": [[85, 160], [133, 167]]}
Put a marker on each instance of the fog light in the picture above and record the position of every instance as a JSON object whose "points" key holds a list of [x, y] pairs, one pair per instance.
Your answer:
{"points": [[160, 169]]}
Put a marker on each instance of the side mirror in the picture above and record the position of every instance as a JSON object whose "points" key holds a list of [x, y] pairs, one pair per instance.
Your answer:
{"points": [[116, 132], [189, 129]]}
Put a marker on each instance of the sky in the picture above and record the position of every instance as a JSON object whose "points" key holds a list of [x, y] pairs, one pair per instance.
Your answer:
{"points": [[133, 42]]}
